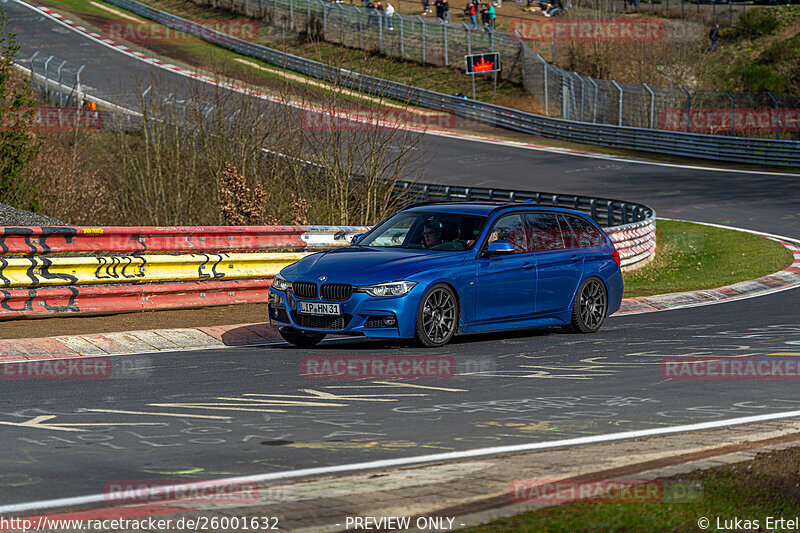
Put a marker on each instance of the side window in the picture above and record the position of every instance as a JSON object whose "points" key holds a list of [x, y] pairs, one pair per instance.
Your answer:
{"points": [[580, 233], [545, 233], [510, 228]]}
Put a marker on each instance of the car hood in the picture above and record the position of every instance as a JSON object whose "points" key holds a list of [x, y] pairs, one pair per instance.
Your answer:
{"points": [[361, 265]]}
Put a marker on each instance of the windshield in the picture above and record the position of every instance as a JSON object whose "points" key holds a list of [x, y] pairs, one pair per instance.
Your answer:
{"points": [[433, 231]]}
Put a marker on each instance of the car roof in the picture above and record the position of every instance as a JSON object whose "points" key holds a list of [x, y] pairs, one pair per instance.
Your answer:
{"points": [[480, 208]]}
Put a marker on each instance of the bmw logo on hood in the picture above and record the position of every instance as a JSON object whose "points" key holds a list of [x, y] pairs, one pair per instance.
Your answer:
{"points": [[323, 279]]}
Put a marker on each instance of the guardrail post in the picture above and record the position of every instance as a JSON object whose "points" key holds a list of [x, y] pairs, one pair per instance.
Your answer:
{"points": [[593, 209], [426, 193], [777, 110], [652, 104], [733, 111], [422, 22], [610, 214], [624, 209], [468, 194], [469, 38], [619, 123], [688, 106]]}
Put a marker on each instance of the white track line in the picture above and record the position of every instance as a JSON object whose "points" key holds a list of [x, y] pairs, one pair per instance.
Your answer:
{"points": [[511, 144], [389, 463]]}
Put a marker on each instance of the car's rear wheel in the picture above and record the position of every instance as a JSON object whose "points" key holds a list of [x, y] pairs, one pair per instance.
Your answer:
{"points": [[299, 338], [590, 307], [437, 318]]}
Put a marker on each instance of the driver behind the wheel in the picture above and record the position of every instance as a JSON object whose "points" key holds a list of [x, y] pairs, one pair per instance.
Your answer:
{"points": [[438, 235]]}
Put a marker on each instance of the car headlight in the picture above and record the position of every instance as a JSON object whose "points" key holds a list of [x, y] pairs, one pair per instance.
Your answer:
{"points": [[393, 288], [280, 283]]}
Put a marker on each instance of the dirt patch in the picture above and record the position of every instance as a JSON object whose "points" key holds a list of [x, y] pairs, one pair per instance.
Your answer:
{"points": [[179, 318]]}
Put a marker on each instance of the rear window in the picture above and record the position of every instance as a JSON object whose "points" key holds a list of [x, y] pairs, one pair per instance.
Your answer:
{"points": [[579, 232], [544, 232]]}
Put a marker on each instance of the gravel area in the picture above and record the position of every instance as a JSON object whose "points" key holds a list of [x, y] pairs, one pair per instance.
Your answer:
{"points": [[10, 216]]}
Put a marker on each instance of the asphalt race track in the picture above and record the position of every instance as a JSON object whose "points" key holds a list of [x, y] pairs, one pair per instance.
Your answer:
{"points": [[219, 413]]}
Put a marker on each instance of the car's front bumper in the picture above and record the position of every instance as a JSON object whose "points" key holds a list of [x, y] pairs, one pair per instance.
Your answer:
{"points": [[362, 314]]}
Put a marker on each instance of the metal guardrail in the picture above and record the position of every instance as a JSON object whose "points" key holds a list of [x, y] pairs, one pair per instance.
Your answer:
{"points": [[721, 148]]}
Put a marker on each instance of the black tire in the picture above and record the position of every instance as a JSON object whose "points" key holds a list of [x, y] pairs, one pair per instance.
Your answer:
{"points": [[590, 307], [303, 339], [437, 317]]}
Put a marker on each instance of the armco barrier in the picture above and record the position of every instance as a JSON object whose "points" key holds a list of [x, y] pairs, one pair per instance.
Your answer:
{"points": [[716, 147], [96, 270]]}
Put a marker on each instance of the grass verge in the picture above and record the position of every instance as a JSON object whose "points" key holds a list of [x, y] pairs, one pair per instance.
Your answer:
{"points": [[694, 257], [754, 490]]}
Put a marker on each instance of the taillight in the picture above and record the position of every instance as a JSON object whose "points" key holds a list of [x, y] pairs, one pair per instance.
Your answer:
{"points": [[615, 255]]}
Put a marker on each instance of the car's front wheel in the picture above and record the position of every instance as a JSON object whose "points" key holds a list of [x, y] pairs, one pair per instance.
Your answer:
{"points": [[299, 338], [437, 318], [591, 305]]}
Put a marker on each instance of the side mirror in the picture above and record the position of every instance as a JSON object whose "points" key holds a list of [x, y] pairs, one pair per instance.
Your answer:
{"points": [[357, 237], [499, 248]]}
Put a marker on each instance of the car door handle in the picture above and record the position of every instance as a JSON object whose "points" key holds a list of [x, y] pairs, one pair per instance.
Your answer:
{"points": [[575, 258], [528, 265]]}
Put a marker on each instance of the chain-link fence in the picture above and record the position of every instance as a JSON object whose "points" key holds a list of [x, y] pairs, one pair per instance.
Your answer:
{"points": [[582, 98], [402, 36]]}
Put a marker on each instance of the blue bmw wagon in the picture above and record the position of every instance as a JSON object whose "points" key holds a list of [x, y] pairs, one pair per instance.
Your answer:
{"points": [[435, 270]]}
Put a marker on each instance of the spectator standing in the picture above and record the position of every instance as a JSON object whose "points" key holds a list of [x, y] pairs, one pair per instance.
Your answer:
{"points": [[472, 13], [438, 5], [389, 14], [713, 35], [492, 15], [446, 11], [426, 6]]}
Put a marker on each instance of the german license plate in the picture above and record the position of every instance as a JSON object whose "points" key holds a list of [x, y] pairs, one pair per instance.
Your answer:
{"points": [[317, 308]]}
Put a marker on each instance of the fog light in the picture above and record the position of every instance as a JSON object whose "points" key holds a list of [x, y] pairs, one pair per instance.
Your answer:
{"points": [[390, 321]]}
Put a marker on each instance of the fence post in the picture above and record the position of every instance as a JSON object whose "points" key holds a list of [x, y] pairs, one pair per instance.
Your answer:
{"points": [[47, 79], [777, 110], [79, 95], [308, 13], [688, 108], [32, 72], [619, 123], [379, 14], [444, 29], [596, 92], [341, 18], [546, 99], [60, 91], [583, 93], [564, 99], [402, 37], [652, 103], [733, 111], [422, 23], [324, 17], [469, 38], [291, 14], [360, 28]]}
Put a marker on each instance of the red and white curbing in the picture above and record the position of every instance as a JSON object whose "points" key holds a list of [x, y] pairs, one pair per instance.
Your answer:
{"points": [[787, 278]]}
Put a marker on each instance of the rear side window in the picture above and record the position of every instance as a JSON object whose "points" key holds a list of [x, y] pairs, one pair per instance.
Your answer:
{"points": [[510, 228], [579, 232], [543, 232]]}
